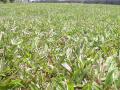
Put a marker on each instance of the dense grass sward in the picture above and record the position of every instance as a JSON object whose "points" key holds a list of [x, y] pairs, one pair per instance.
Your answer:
{"points": [[59, 47]]}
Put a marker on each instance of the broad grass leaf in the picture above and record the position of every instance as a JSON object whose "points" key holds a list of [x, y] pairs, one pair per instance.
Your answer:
{"points": [[109, 79], [68, 53], [117, 83], [87, 87], [16, 83], [70, 86], [1, 35], [67, 67]]}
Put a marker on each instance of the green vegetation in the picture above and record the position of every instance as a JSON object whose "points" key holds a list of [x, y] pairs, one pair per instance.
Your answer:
{"points": [[59, 47]]}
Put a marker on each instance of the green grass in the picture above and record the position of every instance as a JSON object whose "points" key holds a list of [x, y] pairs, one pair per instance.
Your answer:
{"points": [[59, 47]]}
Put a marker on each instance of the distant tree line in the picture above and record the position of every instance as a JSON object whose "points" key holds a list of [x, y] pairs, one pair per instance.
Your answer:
{"points": [[79, 1], [68, 1], [5, 1]]}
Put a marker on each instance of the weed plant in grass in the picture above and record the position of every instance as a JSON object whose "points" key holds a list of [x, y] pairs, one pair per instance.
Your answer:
{"points": [[59, 47]]}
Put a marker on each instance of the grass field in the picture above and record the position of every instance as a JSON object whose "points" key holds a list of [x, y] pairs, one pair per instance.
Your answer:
{"points": [[59, 47]]}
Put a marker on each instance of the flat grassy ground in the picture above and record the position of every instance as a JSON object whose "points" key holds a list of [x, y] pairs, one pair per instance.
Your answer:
{"points": [[59, 47]]}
